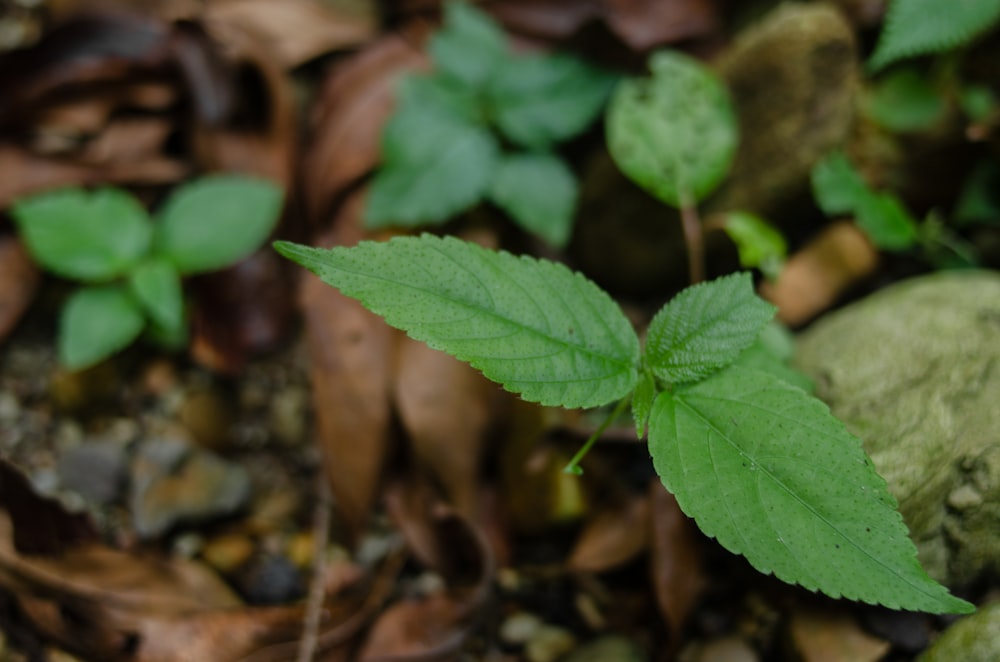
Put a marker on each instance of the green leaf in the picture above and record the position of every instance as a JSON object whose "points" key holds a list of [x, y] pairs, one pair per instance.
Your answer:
{"points": [[979, 200], [434, 167], [216, 221], [539, 192], [156, 285], [917, 27], [977, 102], [905, 101], [769, 472], [704, 328], [837, 186], [534, 326], [642, 402], [86, 236], [759, 244], [674, 134], [469, 47], [541, 100], [95, 323], [772, 353], [886, 222], [439, 95]]}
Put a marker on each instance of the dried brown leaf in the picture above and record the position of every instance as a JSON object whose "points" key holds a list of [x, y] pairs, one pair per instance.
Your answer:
{"points": [[296, 31], [19, 279], [675, 560], [833, 635], [612, 537]]}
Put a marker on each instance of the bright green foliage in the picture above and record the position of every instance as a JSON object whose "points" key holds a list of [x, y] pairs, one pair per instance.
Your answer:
{"points": [[442, 149], [106, 237], [215, 221], [704, 328], [675, 133], [765, 469], [920, 27], [758, 463], [539, 190], [91, 237], [536, 327], [839, 189], [760, 245], [772, 353], [96, 322], [905, 100]]}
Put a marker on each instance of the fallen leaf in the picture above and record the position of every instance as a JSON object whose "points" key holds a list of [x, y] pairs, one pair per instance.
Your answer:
{"points": [[350, 351], [296, 31], [832, 635], [612, 537], [445, 407], [352, 105], [19, 279], [675, 561]]}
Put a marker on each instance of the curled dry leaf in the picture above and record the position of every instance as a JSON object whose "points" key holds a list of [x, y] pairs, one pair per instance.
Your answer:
{"points": [[446, 408], [350, 353], [353, 104], [18, 282], [612, 537], [296, 31], [675, 560]]}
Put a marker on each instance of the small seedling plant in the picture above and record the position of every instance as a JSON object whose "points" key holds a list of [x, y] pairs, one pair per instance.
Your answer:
{"points": [[759, 464], [484, 125], [675, 133], [130, 267]]}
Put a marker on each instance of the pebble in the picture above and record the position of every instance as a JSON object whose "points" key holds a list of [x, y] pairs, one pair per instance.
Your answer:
{"points": [[96, 470], [226, 553], [208, 416], [270, 580], [607, 648], [549, 643], [288, 415], [174, 482]]}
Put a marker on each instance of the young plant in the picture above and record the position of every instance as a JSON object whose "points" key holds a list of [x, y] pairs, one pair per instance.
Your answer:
{"points": [[675, 135], [483, 126], [916, 27], [760, 465], [131, 267], [839, 189]]}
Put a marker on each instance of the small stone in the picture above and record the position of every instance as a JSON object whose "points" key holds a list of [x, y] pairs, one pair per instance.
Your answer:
{"points": [[208, 416], [607, 648], [548, 644], [518, 628], [975, 638], [289, 415], [270, 580], [96, 470], [10, 408], [964, 497], [226, 553], [175, 482]]}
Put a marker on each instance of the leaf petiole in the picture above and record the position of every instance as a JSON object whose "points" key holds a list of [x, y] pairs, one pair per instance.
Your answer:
{"points": [[573, 466]]}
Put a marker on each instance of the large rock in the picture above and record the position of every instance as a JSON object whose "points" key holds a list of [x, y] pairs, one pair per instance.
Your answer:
{"points": [[914, 370], [975, 638]]}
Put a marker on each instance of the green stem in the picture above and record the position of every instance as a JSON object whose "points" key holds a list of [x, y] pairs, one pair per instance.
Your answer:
{"points": [[694, 239], [573, 467]]}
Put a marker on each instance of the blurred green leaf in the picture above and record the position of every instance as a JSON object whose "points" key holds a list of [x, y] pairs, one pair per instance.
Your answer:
{"points": [[539, 192], [904, 101], [837, 186], [86, 236], [156, 285], [215, 221], [887, 222], [95, 323], [539, 100], [675, 133], [760, 245], [470, 45]]}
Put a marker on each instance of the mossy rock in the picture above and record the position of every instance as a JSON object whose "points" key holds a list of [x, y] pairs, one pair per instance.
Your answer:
{"points": [[914, 371], [975, 638]]}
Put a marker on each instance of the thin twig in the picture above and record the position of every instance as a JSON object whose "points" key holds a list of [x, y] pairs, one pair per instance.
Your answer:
{"points": [[317, 585]]}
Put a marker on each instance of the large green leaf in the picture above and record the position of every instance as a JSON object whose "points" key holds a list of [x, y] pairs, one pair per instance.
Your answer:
{"points": [[534, 326], [674, 134], [469, 47], [87, 236], [95, 323], [435, 166], [704, 328], [216, 221], [539, 192], [770, 473], [540, 100], [918, 27]]}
